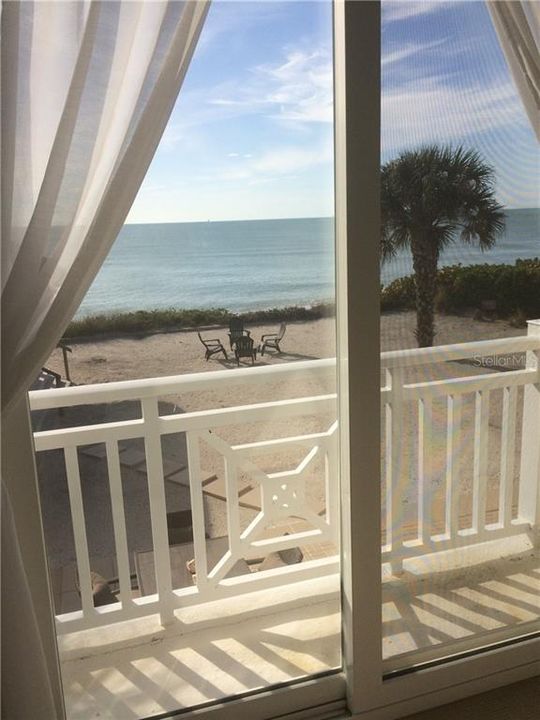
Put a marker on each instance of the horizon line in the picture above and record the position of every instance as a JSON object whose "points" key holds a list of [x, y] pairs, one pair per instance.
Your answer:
{"points": [[304, 217]]}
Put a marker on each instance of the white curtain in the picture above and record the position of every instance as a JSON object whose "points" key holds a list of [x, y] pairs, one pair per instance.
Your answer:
{"points": [[518, 27], [87, 89]]}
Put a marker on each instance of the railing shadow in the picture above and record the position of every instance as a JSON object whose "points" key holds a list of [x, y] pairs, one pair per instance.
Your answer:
{"points": [[443, 608], [176, 672]]}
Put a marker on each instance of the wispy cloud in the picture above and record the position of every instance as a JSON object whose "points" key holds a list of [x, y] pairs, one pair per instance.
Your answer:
{"points": [[227, 18], [274, 164], [399, 10], [173, 134], [297, 89], [286, 160], [405, 52], [432, 111]]}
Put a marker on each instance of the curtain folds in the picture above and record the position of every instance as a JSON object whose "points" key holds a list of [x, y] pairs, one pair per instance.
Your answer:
{"points": [[87, 88], [518, 26], [84, 116]]}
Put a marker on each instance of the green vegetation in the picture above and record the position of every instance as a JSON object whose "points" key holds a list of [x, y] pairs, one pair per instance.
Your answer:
{"points": [[430, 198], [514, 288], [147, 321]]}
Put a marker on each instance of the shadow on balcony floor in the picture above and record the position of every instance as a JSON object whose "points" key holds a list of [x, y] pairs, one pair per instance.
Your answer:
{"points": [[434, 609], [171, 672], [437, 604]]}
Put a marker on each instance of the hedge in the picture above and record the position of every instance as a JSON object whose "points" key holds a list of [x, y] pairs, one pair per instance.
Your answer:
{"points": [[514, 288], [147, 321]]}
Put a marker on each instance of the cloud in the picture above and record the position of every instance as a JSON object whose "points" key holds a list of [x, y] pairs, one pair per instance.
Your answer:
{"points": [[286, 160], [297, 89], [408, 51], [400, 10], [173, 134], [432, 111], [276, 163], [222, 24]]}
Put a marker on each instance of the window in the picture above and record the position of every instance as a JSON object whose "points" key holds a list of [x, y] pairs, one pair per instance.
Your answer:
{"points": [[368, 685]]}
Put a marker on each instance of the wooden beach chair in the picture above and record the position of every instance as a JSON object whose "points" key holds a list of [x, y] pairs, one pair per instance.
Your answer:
{"points": [[243, 347], [272, 340], [236, 330], [212, 346]]}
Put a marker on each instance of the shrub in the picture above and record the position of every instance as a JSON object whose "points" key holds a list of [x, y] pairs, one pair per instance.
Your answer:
{"points": [[399, 295], [146, 321], [514, 288]]}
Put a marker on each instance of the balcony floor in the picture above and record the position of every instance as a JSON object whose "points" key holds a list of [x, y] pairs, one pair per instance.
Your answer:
{"points": [[165, 669], [436, 607]]}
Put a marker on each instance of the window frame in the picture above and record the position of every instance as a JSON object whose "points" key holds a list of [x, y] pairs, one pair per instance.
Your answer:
{"points": [[360, 689]]}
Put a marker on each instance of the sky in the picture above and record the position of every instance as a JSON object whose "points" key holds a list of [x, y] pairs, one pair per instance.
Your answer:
{"points": [[251, 134]]}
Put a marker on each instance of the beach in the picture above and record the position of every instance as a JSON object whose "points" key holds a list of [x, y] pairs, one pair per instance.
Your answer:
{"points": [[105, 359]]}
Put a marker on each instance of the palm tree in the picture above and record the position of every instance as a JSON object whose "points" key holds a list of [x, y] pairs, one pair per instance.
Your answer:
{"points": [[432, 197]]}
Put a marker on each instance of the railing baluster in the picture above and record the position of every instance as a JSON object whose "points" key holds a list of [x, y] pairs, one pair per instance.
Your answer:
{"points": [[480, 469], [158, 508], [331, 485], [233, 510], [453, 452], [395, 506], [79, 529], [508, 451], [425, 468], [119, 522], [388, 462], [197, 511], [529, 471]]}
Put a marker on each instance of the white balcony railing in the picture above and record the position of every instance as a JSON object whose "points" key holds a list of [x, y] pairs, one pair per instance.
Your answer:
{"points": [[398, 394], [283, 493]]}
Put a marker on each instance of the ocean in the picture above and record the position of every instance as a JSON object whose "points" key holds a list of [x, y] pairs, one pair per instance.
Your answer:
{"points": [[255, 264]]}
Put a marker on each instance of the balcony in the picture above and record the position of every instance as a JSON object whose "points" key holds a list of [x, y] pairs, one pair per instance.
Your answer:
{"points": [[460, 519]]}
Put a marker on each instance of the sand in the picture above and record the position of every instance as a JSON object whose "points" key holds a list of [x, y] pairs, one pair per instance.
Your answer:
{"points": [[177, 353]]}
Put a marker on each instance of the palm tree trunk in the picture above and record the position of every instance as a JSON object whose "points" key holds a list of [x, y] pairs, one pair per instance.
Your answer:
{"points": [[425, 260]]}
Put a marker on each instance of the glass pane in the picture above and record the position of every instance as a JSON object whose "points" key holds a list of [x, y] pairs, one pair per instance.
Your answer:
{"points": [[460, 420], [191, 514]]}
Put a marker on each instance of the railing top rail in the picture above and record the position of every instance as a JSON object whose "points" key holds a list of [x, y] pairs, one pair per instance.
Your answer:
{"points": [[171, 385], [458, 351], [184, 422]]}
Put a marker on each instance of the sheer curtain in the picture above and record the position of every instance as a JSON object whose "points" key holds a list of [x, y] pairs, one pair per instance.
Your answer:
{"points": [[518, 27], [87, 89]]}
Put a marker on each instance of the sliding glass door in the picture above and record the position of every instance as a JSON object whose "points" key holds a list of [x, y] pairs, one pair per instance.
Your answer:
{"points": [[459, 413]]}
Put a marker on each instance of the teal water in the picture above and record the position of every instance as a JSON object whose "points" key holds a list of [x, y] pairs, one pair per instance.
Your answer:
{"points": [[254, 264]]}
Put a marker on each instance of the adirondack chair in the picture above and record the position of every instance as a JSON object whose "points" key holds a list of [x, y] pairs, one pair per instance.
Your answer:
{"points": [[243, 347], [272, 340], [236, 330], [212, 346]]}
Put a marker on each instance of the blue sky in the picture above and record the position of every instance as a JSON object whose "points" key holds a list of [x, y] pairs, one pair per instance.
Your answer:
{"points": [[251, 133]]}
